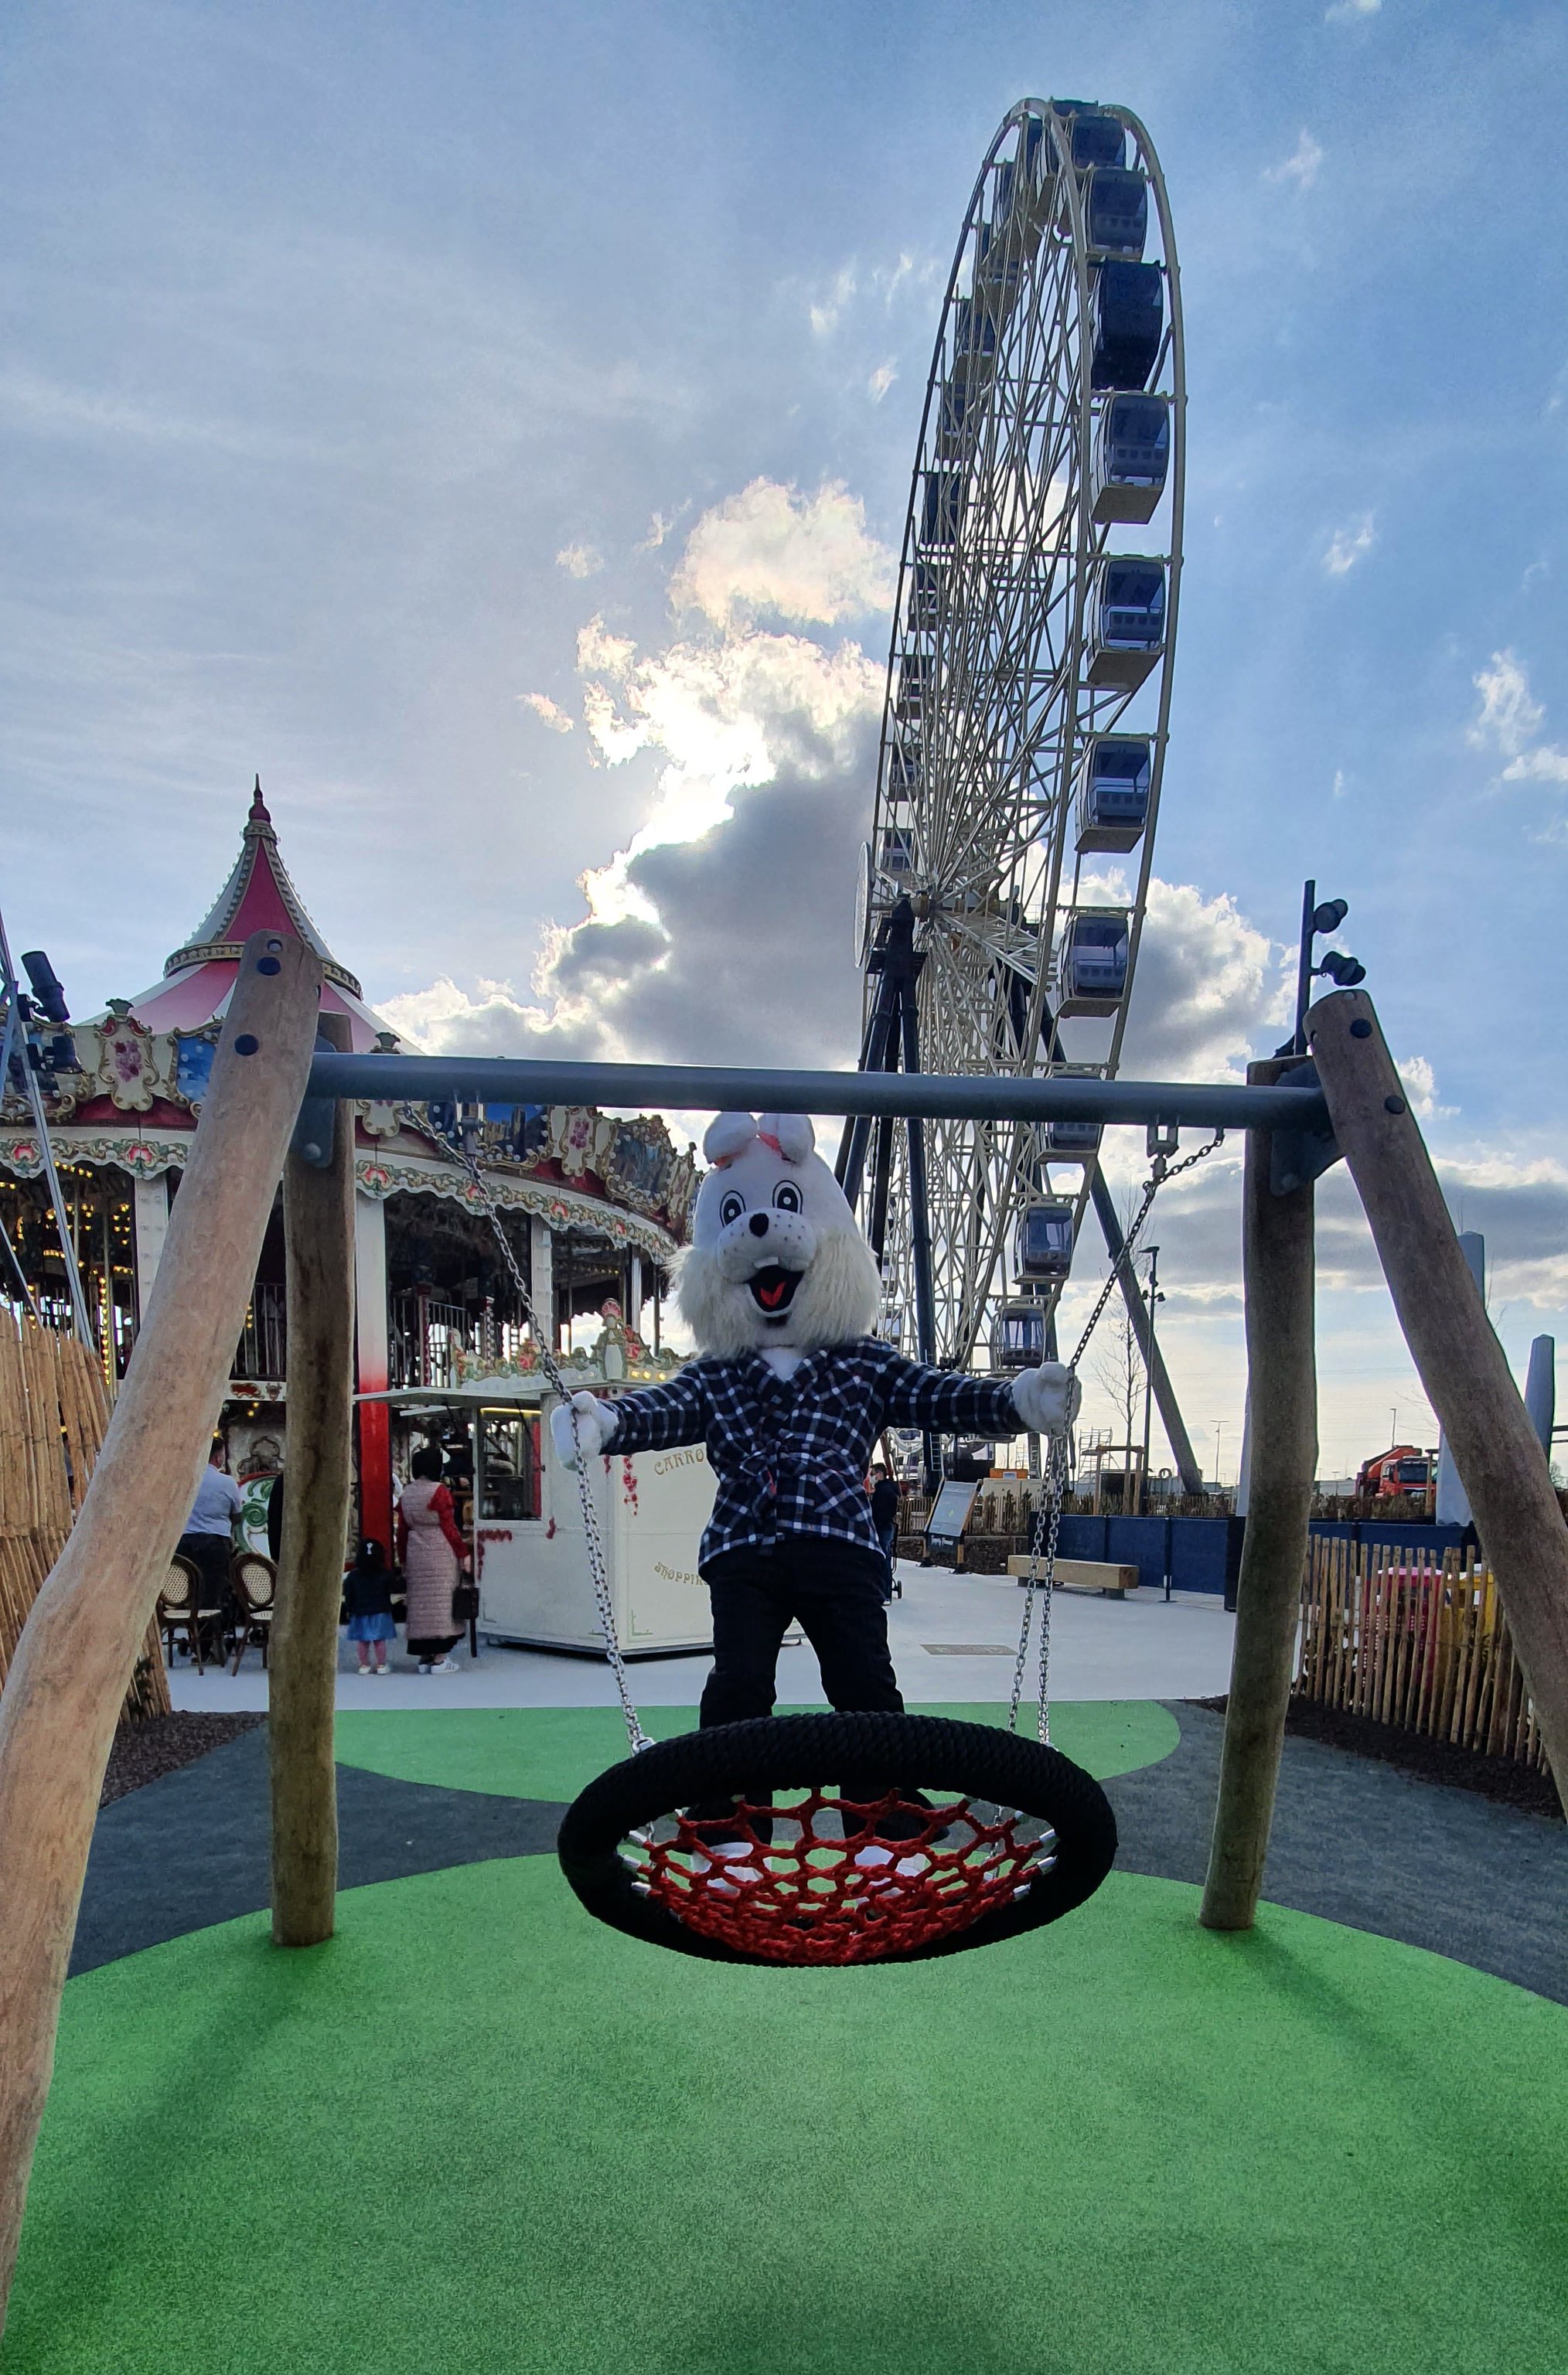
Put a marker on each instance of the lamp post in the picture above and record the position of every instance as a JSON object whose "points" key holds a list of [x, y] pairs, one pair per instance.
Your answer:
{"points": [[1154, 1297], [1319, 917]]}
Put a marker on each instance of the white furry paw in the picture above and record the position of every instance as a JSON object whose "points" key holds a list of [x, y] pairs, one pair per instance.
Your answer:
{"points": [[595, 1424], [1047, 1399]]}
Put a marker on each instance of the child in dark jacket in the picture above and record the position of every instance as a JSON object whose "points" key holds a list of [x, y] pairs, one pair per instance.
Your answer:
{"points": [[367, 1597]]}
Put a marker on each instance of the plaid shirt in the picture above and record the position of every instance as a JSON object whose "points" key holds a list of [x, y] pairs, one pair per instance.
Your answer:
{"points": [[791, 1455]]}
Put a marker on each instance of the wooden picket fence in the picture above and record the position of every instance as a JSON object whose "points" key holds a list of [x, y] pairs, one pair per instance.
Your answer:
{"points": [[54, 1411], [1403, 1638]]}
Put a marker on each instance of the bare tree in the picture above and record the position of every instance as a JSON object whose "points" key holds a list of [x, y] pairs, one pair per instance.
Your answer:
{"points": [[1118, 1369], [1118, 1362]]}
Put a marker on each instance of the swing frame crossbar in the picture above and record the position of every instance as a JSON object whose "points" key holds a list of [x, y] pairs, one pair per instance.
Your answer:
{"points": [[692, 1088]]}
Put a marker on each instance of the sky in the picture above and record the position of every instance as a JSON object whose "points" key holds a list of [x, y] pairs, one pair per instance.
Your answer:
{"points": [[494, 425]]}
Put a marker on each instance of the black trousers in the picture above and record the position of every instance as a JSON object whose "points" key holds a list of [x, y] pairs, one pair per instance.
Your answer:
{"points": [[832, 1592], [209, 1555]]}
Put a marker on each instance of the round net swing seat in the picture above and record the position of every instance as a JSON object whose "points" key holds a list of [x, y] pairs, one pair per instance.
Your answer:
{"points": [[933, 1835]]}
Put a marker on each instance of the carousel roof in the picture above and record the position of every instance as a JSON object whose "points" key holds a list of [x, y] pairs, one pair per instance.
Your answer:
{"points": [[257, 897]]}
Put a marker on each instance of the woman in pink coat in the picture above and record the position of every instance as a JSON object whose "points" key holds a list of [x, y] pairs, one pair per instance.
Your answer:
{"points": [[432, 1555]]}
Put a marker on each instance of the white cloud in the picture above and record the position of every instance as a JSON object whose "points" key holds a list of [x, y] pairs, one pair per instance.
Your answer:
{"points": [[770, 550], [1545, 764], [1350, 12], [1509, 720], [445, 1020], [579, 559], [1508, 715], [1348, 545], [1341, 787], [1420, 1086], [543, 707], [826, 312], [659, 528], [719, 715], [1209, 984], [1300, 167], [879, 382]]}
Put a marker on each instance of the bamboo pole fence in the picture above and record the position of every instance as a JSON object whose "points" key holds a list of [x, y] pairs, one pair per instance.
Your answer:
{"points": [[1402, 1638], [53, 1410]]}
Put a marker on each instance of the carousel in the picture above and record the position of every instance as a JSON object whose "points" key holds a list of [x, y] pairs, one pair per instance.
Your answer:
{"points": [[594, 1208]]}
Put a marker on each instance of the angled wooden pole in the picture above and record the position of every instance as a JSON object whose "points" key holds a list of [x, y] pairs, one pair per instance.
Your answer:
{"points": [[86, 1629], [1277, 1269], [1461, 1363], [318, 1226]]}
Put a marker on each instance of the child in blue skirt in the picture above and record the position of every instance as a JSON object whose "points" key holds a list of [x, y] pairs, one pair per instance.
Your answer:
{"points": [[367, 1596]]}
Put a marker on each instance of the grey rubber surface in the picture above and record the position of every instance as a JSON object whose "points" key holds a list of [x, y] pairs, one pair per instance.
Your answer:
{"points": [[192, 1849], [1355, 1841], [1373, 1847]]}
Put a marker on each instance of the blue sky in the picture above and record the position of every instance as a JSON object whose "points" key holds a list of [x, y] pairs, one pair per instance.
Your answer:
{"points": [[374, 376]]}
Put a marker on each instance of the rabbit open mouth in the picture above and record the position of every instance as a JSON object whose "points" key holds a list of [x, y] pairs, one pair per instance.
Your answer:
{"points": [[772, 1289]]}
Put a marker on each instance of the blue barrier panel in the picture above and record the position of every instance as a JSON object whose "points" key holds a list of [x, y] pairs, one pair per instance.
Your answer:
{"points": [[1141, 1542], [1204, 1553], [1395, 1534], [1082, 1538]]}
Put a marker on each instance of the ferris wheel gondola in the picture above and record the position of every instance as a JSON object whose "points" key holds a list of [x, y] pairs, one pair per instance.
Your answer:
{"points": [[1028, 695]]}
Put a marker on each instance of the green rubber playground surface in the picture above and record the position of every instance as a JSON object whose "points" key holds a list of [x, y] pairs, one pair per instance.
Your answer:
{"points": [[554, 1752], [478, 2132]]}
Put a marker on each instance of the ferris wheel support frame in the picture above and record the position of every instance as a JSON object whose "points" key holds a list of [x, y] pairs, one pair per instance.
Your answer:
{"points": [[1164, 1392]]}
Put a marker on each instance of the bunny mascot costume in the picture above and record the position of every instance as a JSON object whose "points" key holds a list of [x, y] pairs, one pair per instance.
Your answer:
{"points": [[789, 1393]]}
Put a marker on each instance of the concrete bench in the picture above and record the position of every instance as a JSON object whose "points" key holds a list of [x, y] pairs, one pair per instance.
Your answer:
{"points": [[1085, 1574]]}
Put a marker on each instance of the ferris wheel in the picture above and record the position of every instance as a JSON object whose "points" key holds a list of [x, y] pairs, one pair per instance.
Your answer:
{"points": [[1027, 698]]}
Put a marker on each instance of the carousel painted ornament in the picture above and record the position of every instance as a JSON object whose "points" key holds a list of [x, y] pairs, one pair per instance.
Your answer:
{"points": [[127, 1063]]}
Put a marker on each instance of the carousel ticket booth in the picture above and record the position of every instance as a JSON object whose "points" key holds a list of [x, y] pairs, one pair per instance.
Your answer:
{"points": [[522, 1513]]}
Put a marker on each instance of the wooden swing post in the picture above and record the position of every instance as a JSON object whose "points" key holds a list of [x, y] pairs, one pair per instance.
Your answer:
{"points": [[85, 1628], [318, 1229], [1461, 1363], [1277, 1272]]}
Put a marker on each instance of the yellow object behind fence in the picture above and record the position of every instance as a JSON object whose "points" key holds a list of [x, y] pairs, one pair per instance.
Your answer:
{"points": [[1403, 1638]]}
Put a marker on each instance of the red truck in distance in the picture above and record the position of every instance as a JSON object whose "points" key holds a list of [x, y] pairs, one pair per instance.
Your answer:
{"points": [[1405, 1474]]}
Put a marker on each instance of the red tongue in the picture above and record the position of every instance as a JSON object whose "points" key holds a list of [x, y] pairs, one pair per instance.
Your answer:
{"points": [[770, 1298]]}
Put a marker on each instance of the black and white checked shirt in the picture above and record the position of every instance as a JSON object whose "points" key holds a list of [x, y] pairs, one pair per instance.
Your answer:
{"points": [[791, 1454]]}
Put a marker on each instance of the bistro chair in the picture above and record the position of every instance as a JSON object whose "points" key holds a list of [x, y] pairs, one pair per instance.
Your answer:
{"points": [[255, 1584], [182, 1609]]}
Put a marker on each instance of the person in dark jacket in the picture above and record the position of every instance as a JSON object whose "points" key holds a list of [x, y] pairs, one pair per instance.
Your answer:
{"points": [[367, 1597], [886, 1502]]}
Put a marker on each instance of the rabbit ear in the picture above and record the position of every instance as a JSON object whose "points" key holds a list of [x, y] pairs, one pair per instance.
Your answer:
{"points": [[792, 1133], [726, 1135]]}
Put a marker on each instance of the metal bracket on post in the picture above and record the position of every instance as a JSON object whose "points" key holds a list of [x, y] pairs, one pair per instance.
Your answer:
{"points": [[313, 1139], [1162, 1138], [1297, 1157]]}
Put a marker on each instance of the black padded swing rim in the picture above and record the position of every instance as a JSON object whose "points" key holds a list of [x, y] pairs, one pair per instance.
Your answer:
{"points": [[932, 1753]]}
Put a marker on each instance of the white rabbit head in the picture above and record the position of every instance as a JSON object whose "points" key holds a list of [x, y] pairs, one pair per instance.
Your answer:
{"points": [[776, 1255]]}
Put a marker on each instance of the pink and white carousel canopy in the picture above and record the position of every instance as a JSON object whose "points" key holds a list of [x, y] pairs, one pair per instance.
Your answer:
{"points": [[198, 979]]}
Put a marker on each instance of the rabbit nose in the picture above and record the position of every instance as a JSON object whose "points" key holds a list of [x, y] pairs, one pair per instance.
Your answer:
{"points": [[758, 1225]]}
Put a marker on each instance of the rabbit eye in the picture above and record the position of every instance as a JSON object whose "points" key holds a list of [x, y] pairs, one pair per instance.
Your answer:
{"points": [[787, 1196], [731, 1209]]}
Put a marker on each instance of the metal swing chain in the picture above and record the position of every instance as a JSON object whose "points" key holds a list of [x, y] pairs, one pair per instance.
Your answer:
{"points": [[1048, 1515], [602, 1603]]}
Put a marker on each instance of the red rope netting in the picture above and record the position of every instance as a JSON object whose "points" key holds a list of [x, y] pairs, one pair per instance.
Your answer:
{"points": [[881, 1877]]}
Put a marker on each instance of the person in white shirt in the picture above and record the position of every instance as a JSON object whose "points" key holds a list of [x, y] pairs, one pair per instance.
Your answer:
{"points": [[208, 1539]]}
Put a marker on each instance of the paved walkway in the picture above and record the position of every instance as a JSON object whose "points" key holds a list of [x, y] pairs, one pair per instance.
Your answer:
{"points": [[1140, 1648]]}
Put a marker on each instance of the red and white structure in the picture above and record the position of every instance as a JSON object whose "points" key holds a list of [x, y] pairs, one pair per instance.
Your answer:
{"points": [[595, 1208]]}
